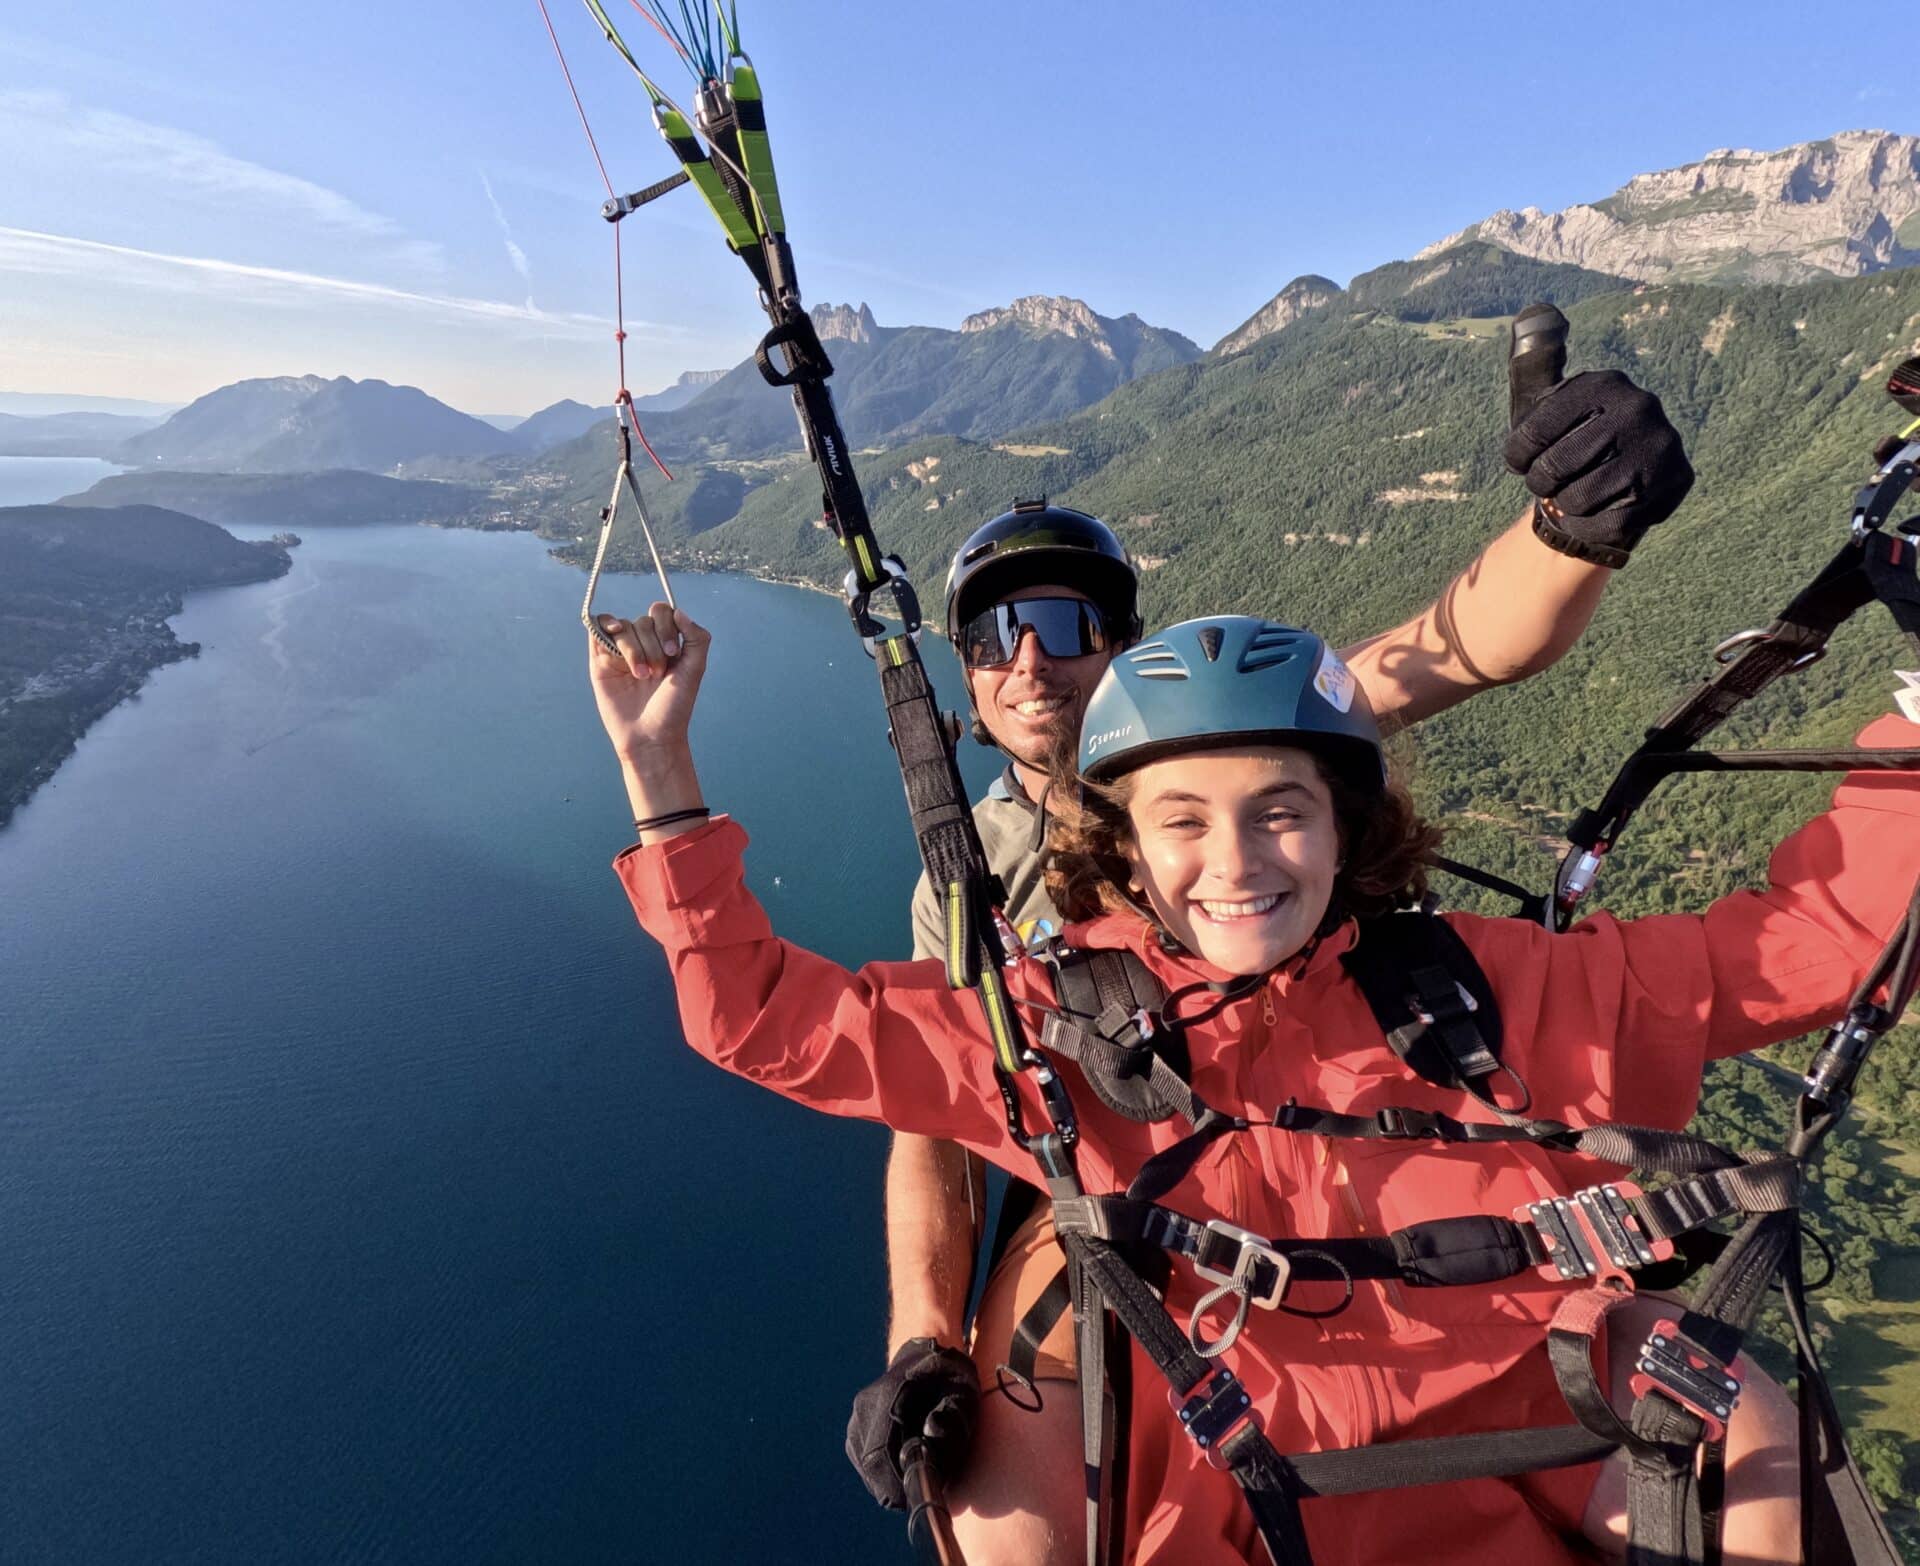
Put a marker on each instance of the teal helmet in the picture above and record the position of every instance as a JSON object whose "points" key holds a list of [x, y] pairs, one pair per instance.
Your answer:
{"points": [[1230, 680]]}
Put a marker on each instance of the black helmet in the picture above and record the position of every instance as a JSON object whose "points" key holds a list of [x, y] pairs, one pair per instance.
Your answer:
{"points": [[1036, 543]]}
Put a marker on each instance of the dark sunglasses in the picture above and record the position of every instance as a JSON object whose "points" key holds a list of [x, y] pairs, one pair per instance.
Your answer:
{"points": [[1067, 628]]}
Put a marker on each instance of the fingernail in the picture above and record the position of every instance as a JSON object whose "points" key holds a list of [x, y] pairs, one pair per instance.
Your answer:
{"points": [[671, 647]]}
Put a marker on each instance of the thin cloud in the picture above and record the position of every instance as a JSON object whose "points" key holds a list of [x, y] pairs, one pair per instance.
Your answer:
{"points": [[62, 255], [515, 254], [183, 165]]}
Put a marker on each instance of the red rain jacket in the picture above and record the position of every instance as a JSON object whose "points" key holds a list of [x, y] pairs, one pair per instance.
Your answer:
{"points": [[1612, 1021]]}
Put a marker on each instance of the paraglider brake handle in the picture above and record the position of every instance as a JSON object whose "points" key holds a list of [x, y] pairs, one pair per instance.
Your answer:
{"points": [[896, 584]]}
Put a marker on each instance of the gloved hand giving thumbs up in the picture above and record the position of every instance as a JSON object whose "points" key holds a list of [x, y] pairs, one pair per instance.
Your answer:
{"points": [[1597, 450]]}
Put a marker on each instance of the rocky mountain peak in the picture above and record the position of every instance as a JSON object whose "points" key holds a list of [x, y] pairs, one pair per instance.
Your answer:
{"points": [[1302, 295], [1043, 313], [1835, 208], [844, 323]]}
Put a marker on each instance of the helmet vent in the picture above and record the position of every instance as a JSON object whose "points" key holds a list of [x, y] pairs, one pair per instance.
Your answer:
{"points": [[1270, 646], [1157, 661], [1211, 637]]}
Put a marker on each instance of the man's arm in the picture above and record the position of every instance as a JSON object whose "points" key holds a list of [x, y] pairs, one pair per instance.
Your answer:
{"points": [[1604, 465], [1510, 614], [933, 1191]]}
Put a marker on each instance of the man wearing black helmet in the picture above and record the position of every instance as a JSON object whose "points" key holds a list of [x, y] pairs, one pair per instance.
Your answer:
{"points": [[1038, 602]]}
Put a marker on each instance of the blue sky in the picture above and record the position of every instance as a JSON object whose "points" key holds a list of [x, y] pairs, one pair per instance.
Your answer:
{"points": [[199, 191]]}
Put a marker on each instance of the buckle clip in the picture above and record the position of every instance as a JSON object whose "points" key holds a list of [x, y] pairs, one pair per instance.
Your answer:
{"points": [[1237, 1281], [1679, 1369], [1407, 1125], [1213, 1412], [1254, 1249], [1594, 1234]]}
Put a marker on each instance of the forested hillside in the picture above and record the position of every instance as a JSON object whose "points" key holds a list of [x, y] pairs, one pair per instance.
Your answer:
{"points": [[1341, 471], [84, 600]]}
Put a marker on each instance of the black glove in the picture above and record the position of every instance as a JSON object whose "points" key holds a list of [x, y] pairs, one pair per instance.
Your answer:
{"points": [[927, 1391], [1601, 450]]}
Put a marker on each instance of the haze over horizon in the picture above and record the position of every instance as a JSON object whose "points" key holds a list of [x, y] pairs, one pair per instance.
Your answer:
{"points": [[195, 199]]}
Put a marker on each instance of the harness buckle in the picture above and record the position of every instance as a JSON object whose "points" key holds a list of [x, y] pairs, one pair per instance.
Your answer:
{"points": [[1679, 1369], [1467, 1007], [1253, 1250], [1407, 1125], [1594, 1233], [1215, 1411], [1238, 1282]]}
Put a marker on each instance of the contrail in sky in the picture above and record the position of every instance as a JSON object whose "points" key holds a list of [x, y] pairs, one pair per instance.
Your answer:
{"points": [[27, 250], [514, 253]]}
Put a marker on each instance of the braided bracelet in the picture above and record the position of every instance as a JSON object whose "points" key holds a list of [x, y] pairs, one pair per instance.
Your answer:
{"points": [[699, 812]]}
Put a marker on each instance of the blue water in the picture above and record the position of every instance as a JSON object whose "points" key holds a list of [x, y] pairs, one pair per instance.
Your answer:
{"points": [[33, 481], [361, 1202]]}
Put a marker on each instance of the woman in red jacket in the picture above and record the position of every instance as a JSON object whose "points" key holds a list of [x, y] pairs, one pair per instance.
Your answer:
{"points": [[1237, 813]]}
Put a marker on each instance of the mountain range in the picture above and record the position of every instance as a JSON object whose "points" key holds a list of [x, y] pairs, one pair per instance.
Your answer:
{"points": [[1845, 206], [1037, 358]]}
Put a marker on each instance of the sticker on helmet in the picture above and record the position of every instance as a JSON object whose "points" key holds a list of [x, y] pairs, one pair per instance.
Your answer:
{"points": [[1334, 681]]}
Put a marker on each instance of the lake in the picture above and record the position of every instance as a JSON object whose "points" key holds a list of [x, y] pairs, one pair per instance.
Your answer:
{"points": [[32, 481], [362, 1202]]}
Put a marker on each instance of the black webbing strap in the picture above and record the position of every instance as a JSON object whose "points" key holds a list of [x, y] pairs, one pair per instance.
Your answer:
{"points": [[950, 847], [1437, 1253], [1532, 905], [1839, 1523], [1430, 997], [1443, 1460], [1097, 1414], [1874, 566], [1216, 1411]]}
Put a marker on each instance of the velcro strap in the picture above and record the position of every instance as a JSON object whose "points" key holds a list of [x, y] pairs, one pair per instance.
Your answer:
{"points": [[1475, 1249]]}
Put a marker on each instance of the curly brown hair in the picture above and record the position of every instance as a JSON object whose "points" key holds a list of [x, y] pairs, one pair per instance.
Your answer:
{"points": [[1385, 842]]}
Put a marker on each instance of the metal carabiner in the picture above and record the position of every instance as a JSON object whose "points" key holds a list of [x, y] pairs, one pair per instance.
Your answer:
{"points": [[895, 582]]}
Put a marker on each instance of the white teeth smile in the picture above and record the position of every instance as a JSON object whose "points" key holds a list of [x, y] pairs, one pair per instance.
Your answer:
{"points": [[1034, 709], [1250, 909]]}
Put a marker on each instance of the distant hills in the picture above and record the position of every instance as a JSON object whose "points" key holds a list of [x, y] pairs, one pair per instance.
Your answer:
{"points": [[68, 434], [557, 422], [303, 423], [689, 386], [1034, 359]]}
